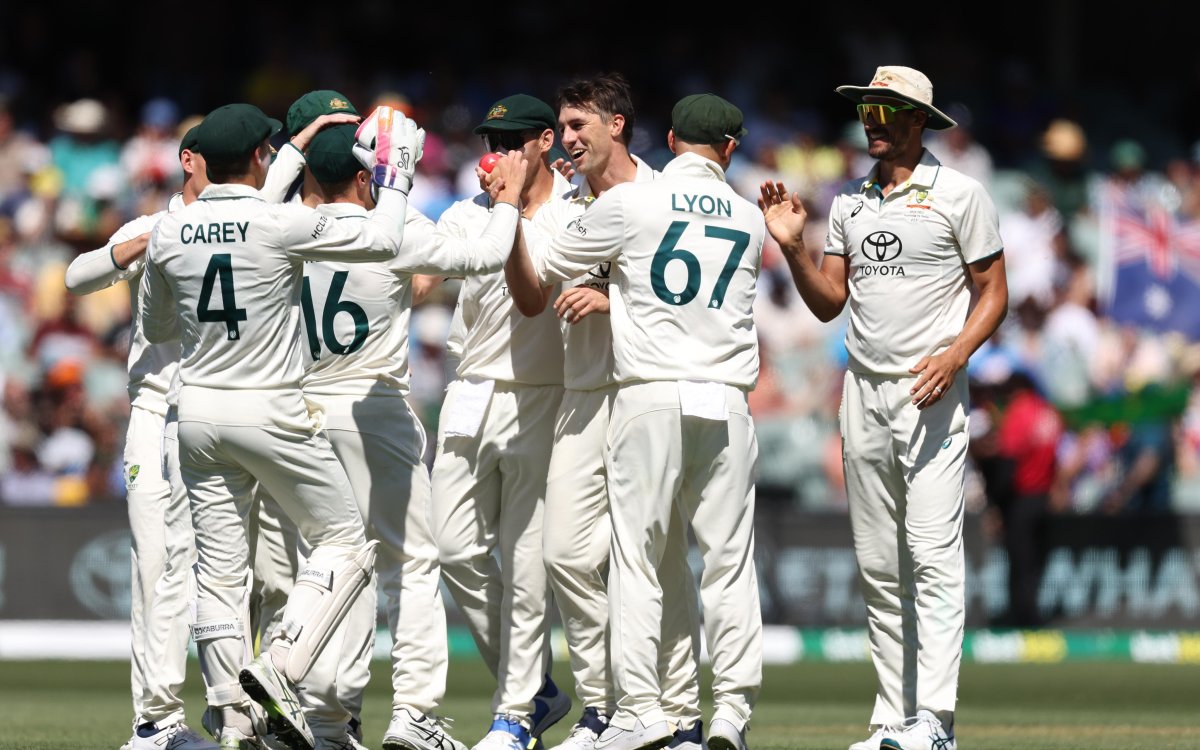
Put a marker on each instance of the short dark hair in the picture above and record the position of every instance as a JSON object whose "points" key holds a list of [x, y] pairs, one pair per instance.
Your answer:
{"points": [[224, 169], [607, 94], [337, 187]]}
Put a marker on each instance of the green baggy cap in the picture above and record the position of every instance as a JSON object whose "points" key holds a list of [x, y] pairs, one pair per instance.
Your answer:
{"points": [[314, 104], [234, 130], [330, 158], [518, 112], [706, 119]]}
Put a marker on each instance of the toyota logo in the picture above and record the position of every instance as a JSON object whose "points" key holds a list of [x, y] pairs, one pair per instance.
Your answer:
{"points": [[881, 247]]}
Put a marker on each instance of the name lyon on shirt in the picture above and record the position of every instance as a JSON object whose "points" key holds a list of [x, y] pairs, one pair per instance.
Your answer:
{"points": [[704, 204]]}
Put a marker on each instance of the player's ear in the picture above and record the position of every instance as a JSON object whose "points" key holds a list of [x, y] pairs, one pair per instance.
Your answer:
{"points": [[616, 126], [186, 161], [546, 140], [671, 140], [727, 149]]}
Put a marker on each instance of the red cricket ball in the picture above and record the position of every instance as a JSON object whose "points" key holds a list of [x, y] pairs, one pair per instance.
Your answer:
{"points": [[488, 162]]}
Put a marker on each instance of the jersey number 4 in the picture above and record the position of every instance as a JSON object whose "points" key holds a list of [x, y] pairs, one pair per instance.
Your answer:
{"points": [[334, 304], [669, 251], [220, 265]]}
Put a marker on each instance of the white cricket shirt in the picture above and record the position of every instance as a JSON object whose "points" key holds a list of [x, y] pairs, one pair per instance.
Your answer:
{"points": [[588, 361], [356, 314], [686, 252], [500, 343], [226, 274], [908, 256]]}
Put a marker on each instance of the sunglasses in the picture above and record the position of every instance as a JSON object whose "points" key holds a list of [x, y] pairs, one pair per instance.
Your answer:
{"points": [[509, 140], [880, 113]]}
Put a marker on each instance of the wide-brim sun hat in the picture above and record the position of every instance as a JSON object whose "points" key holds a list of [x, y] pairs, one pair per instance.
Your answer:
{"points": [[906, 84]]}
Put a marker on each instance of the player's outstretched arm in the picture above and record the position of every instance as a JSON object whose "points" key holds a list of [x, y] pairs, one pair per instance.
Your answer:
{"points": [[528, 295], [594, 238], [823, 289], [101, 268]]}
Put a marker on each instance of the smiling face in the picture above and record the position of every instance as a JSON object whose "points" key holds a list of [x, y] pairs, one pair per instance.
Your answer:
{"points": [[588, 138], [899, 137]]}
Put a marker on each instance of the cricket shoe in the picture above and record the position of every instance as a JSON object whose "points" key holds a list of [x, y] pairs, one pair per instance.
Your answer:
{"points": [[586, 731], [641, 737], [921, 732], [550, 705], [723, 735], [410, 730], [285, 718], [506, 733], [691, 738], [872, 742], [177, 736]]}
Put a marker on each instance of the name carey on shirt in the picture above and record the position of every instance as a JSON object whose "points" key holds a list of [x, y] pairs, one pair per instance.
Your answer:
{"points": [[214, 232]]}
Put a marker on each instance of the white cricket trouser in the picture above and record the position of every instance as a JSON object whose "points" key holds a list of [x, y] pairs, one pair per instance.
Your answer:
{"points": [[221, 464], [380, 442], [660, 461], [576, 554], [904, 480], [162, 556], [488, 493], [275, 561]]}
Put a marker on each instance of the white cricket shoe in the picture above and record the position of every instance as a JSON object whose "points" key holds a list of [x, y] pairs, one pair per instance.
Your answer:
{"points": [[872, 742], [586, 731], [550, 705], [921, 732], [174, 737], [285, 718], [641, 737], [723, 735], [410, 730], [506, 733]]}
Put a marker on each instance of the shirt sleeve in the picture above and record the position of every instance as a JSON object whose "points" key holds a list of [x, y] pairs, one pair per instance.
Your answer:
{"points": [[428, 248], [97, 269], [307, 234], [285, 170], [977, 225], [835, 237], [156, 301], [593, 238]]}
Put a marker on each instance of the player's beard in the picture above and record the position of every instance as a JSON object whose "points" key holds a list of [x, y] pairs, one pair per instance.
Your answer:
{"points": [[887, 143]]}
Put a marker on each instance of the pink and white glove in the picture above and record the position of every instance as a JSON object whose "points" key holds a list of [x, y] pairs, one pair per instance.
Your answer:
{"points": [[390, 145]]}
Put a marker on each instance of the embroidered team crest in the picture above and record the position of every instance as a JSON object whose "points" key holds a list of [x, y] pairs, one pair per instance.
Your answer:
{"points": [[133, 472], [338, 103], [497, 112], [922, 195]]}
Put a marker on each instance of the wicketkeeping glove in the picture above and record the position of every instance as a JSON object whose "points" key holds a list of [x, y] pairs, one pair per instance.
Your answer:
{"points": [[390, 145]]}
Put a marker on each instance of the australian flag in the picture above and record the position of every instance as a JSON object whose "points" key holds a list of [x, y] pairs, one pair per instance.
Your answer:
{"points": [[1153, 260]]}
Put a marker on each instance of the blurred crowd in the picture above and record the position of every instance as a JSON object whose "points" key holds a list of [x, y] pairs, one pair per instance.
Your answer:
{"points": [[1072, 412]]}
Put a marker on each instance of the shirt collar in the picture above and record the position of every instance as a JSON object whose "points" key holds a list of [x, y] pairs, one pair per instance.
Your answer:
{"points": [[645, 173], [229, 190], [341, 210], [175, 203], [691, 164], [923, 176]]}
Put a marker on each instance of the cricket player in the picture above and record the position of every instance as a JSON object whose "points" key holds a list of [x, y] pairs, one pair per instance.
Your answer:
{"points": [[356, 322], [494, 441], [161, 529], [595, 118], [905, 245], [685, 251], [225, 274]]}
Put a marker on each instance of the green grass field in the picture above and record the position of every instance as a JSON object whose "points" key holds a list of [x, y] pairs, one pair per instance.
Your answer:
{"points": [[1092, 706]]}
